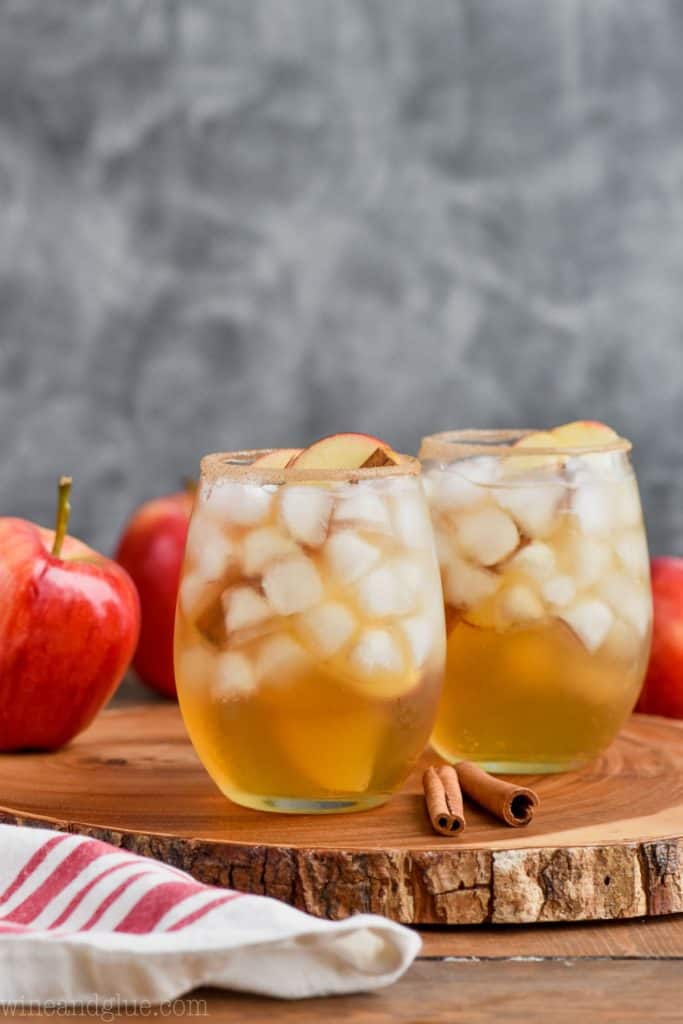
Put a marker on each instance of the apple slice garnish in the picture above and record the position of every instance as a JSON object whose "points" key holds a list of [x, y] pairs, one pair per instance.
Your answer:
{"points": [[537, 439], [279, 458], [345, 451], [583, 434], [524, 463], [380, 457], [579, 434]]}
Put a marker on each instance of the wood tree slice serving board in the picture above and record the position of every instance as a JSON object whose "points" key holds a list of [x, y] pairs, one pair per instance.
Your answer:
{"points": [[606, 843]]}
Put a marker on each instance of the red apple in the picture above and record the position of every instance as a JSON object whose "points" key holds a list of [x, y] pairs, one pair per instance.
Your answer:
{"points": [[151, 550], [662, 693], [69, 621]]}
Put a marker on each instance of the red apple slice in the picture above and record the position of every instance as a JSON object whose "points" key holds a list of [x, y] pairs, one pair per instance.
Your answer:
{"points": [[537, 439], [524, 463], [380, 457], [277, 459], [579, 434], [345, 451], [583, 434]]}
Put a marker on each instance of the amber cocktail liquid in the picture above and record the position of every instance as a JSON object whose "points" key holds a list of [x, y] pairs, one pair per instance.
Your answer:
{"points": [[309, 633], [546, 582]]}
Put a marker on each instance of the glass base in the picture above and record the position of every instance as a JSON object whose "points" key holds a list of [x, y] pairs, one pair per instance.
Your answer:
{"points": [[307, 805], [525, 767]]}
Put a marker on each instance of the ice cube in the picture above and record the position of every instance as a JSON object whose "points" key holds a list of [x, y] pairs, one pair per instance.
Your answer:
{"points": [[215, 556], [593, 506], [623, 642], [240, 503], [412, 524], [209, 549], [428, 486], [559, 590], [192, 589], [627, 507], [376, 651], [196, 666], [348, 556], [461, 484], [244, 607], [361, 507], [590, 619], [281, 659], [390, 589], [487, 535], [292, 585], [422, 636], [305, 512], [536, 560], [590, 559], [200, 524], [235, 676], [264, 545], [465, 585], [600, 466], [443, 543], [483, 470], [414, 573], [326, 628], [447, 489], [631, 549], [534, 507], [629, 599], [519, 603]]}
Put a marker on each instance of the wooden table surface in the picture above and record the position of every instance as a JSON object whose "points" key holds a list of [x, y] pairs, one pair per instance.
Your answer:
{"points": [[580, 974], [602, 847], [618, 972]]}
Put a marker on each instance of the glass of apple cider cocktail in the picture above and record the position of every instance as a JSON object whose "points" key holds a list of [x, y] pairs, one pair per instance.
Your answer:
{"points": [[310, 643], [545, 574]]}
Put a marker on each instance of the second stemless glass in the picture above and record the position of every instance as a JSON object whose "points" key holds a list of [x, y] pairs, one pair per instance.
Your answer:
{"points": [[310, 632], [545, 574]]}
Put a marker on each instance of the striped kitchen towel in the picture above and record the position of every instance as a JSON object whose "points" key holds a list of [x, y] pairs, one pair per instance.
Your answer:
{"points": [[81, 920]]}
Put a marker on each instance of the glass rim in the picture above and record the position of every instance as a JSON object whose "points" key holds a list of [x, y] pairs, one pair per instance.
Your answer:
{"points": [[239, 466], [449, 444]]}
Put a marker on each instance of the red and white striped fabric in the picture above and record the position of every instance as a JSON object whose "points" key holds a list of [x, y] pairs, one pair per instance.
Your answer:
{"points": [[80, 919]]}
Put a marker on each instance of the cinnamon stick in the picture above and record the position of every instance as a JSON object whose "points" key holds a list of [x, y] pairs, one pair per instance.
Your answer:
{"points": [[444, 799], [515, 805]]}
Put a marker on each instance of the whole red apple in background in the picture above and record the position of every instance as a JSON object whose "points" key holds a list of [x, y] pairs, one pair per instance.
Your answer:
{"points": [[69, 621], [151, 550], [662, 693]]}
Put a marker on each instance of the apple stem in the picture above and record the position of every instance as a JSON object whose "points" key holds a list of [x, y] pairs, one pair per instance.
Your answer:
{"points": [[190, 486], [63, 512]]}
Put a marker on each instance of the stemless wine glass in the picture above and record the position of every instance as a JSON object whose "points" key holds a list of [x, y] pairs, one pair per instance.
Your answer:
{"points": [[310, 637], [545, 574]]}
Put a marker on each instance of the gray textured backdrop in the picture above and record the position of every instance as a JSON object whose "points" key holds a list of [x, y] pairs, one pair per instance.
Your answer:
{"points": [[249, 222]]}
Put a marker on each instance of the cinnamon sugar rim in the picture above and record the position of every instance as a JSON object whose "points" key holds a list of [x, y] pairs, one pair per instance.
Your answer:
{"points": [[239, 466], [451, 444]]}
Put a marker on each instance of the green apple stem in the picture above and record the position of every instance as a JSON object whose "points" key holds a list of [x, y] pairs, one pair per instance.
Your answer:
{"points": [[63, 512]]}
